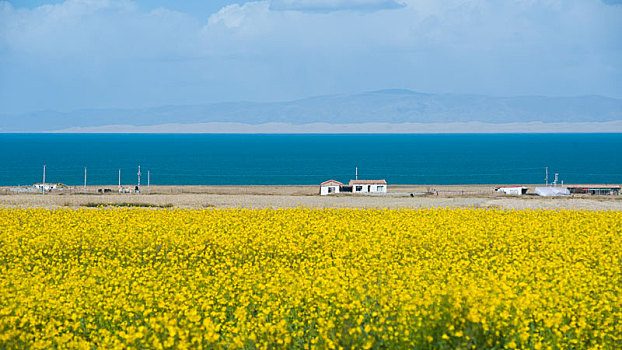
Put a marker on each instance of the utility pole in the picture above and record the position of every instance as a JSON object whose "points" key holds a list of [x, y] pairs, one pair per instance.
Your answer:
{"points": [[84, 179], [43, 187], [546, 175], [149, 180], [556, 178], [356, 173], [139, 177], [119, 180]]}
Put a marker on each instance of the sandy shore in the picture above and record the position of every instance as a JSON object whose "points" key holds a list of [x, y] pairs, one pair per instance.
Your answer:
{"points": [[356, 128], [399, 196]]}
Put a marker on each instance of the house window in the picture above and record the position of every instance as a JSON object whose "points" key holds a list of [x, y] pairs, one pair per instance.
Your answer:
{"points": [[331, 190], [379, 188], [358, 188]]}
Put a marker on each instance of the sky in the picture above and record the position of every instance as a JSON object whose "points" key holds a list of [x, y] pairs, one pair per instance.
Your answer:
{"points": [[83, 54]]}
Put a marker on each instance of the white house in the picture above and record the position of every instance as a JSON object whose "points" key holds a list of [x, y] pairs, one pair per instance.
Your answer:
{"points": [[330, 187], [368, 186], [516, 190], [46, 187]]}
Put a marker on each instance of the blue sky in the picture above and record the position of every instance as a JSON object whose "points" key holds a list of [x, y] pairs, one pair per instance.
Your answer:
{"points": [[74, 54]]}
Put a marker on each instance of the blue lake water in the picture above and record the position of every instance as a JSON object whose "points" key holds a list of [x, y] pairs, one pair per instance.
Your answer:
{"points": [[212, 159]]}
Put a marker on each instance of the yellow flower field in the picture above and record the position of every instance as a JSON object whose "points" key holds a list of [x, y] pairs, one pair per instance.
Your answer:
{"points": [[310, 278]]}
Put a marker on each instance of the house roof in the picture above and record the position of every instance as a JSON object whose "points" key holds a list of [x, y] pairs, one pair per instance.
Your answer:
{"points": [[368, 182], [331, 182]]}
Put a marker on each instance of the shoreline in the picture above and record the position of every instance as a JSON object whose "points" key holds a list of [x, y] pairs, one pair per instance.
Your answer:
{"points": [[472, 127], [290, 196]]}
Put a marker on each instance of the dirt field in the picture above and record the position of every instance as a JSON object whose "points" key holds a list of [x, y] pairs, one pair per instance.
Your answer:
{"points": [[399, 196]]}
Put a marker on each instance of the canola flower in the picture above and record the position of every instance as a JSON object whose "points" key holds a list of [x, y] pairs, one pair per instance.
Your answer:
{"points": [[310, 278]]}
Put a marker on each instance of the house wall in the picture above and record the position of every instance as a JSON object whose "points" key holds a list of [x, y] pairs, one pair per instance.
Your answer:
{"points": [[47, 187], [511, 190], [370, 188], [324, 190], [379, 188], [359, 188]]}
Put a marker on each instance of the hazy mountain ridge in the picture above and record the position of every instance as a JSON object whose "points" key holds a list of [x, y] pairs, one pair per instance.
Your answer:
{"points": [[384, 106]]}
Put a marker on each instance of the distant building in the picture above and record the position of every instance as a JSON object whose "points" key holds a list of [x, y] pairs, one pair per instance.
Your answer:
{"points": [[515, 190], [607, 190], [355, 186], [125, 190], [45, 187], [368, 186], [330, 187], [550, 191]]}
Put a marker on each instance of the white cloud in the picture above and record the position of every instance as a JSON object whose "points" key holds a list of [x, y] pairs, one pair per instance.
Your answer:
{"points": [[94, 29], [282, 49], [232, 16], [335, 5]]}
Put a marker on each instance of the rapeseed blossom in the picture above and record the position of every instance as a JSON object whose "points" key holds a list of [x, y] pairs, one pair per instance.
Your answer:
{"points": [[310, 278]]}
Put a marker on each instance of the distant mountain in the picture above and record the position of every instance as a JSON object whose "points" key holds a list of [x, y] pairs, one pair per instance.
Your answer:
{"points": [[384, 106]]}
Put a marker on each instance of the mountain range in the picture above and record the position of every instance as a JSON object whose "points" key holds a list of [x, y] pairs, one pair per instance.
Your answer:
{"points": [[383, 106]]}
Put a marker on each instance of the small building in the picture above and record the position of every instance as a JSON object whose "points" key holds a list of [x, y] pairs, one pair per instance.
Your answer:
{"points": [[594, 189], [330, 187], [550, 191], [368, 186], [355, 186], [45, 187], [125, 190], [514, 190]]}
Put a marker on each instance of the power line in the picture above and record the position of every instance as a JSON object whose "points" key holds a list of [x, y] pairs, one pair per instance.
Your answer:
{"points": [[546, 175]]}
